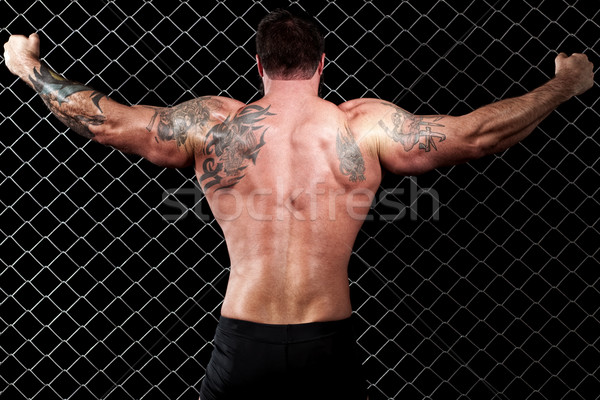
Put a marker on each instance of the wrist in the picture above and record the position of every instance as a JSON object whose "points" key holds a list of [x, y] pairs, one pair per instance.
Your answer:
{"points": [[26, 69], [563, 86]]}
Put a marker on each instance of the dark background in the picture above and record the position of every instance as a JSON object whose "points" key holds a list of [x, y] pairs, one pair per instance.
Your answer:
{"points": [[112, 274]]}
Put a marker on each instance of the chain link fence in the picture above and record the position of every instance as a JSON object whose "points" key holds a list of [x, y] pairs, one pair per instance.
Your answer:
{"points": [[112, 272]]}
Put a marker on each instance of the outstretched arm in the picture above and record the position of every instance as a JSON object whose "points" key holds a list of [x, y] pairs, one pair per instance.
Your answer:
{"points": [[164, 136], [408, 144]]}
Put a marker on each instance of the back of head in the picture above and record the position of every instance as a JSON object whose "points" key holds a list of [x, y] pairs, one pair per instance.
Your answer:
{"points": [[289, 47]]}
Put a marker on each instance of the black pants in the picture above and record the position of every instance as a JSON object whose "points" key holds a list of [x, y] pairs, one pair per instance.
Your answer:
{"points": [[305, 361]]}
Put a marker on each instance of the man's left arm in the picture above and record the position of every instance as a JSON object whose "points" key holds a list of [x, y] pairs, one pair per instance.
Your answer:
{"points": [[409, 144], [165, 136]]}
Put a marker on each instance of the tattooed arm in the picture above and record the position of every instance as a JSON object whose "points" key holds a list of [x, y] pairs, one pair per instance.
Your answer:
{"points": [[409, 144], [164, 136]]}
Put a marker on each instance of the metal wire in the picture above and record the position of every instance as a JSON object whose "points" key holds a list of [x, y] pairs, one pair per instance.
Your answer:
{"points": [[112, 271]]}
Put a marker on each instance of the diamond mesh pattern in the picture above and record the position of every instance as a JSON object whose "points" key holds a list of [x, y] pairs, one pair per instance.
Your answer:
{"points": [[112, 271]]}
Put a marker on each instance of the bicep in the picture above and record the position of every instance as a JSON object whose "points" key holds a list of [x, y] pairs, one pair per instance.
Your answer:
{"points": [[410, 144], [166, 136]]}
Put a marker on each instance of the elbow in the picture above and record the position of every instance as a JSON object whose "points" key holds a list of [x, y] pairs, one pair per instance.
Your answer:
{"points": [[475, 143], [483, 136], [479, 148], [99, 136], [102, 132], [486, 145], [112, 133]]}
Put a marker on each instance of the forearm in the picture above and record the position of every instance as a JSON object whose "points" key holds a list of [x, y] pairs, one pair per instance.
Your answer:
{"points": [[500, 125], [139, 130], [81, 108]]}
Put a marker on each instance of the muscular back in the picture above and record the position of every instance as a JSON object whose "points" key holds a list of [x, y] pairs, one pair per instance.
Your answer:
{"points": [[289, 184]]}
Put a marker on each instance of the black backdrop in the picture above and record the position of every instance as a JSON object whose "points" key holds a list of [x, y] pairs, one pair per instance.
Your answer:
{"points": [[112, 272]]}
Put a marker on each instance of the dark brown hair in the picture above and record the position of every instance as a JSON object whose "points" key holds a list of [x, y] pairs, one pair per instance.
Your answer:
{"points": [[289, 47]]}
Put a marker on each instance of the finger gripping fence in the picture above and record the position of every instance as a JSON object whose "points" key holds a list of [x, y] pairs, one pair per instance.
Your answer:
{"points": [[478, 281]]}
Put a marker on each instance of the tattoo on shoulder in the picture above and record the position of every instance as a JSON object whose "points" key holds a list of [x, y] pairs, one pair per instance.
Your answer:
{"points": [[56, 90], [177, 123], [232, 146], [352, 163], [410, 130]]}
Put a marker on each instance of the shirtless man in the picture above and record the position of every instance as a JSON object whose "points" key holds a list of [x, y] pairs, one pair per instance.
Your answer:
{"points": [[290, 178]]}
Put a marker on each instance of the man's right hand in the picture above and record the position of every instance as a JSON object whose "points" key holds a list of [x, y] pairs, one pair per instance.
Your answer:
{"points": [[22, 54], [576, 70]]}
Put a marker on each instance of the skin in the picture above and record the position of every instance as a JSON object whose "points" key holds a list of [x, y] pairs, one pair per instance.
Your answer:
{"points": [[290, 177]]}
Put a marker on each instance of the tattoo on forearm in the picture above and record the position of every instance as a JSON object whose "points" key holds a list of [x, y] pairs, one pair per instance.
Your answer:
{"points": [[352, 163], [56, 90], [410, 129], [232, 145]]}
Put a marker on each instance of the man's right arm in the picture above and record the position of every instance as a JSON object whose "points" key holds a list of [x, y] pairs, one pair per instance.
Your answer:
{"points": [[165, 136], [408, 144]]}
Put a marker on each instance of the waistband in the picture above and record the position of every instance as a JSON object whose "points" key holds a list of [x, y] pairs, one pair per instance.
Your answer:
{"points": [[285, 333]]}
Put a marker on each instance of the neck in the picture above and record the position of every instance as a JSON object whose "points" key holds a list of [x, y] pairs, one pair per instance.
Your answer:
{"points": [[292, 88]]}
